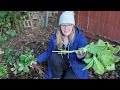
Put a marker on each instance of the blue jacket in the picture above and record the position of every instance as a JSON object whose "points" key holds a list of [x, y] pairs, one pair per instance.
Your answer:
{"points": [[79, 41]]}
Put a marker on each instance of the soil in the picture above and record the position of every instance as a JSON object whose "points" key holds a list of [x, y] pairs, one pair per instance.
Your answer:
{"points": [[36, 39]]}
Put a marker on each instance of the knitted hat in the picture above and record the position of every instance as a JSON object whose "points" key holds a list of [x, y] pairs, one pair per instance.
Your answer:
{"points": [[67, 17]]}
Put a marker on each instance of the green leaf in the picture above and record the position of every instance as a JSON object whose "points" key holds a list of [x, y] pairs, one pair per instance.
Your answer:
{"points": [[2, 14], [11, 39], [12, 34], [3, 70], [100, 43], [9, 58], [21, 68], [114, 49], [9, 50], [3, 38], [97, 66], [87, 60], [111, 67], [105, 59], [17, 54], [26, 69], [23, 57], [15, 72], [89, 65], [4, 45], [12, 69], [116, 59], [8, 32], [20, 65], [30, 56], [96, 49], [1, 52], [15, 66], [88, 55], [109, 57]]}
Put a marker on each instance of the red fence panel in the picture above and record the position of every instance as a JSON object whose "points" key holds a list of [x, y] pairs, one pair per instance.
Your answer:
{"points": [[105, 24]]}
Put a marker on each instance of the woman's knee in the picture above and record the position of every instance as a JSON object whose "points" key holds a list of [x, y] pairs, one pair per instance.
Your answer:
{"points": [[69, 74], [55, 57]]}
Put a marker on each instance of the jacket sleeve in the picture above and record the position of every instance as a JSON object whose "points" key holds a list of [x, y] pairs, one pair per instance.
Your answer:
{"points": [[44, 56], [82, 41]]}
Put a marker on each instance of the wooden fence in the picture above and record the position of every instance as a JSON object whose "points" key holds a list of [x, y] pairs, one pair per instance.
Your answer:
{"points": [[100, 24]]}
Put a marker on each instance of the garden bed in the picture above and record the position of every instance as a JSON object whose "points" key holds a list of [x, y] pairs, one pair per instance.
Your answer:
{"points": [[37, 40]]}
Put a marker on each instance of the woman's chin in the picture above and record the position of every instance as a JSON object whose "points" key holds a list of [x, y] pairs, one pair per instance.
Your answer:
{"points": [[66, 34]]}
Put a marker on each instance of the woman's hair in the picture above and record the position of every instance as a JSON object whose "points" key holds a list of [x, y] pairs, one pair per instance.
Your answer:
{"points": [[59, 36]]}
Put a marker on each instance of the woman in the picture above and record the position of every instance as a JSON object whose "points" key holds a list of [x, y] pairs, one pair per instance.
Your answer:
{"points": [[68, 37]]}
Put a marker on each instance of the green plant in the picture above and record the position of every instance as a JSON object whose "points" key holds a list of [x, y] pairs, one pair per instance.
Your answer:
{"points": [[10, 27], [9, 56], [100, 56], [3, 71], [10, 24], [22, 66]]}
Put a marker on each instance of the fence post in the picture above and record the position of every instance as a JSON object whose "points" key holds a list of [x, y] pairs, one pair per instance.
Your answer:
{"points": [[47, 13]]}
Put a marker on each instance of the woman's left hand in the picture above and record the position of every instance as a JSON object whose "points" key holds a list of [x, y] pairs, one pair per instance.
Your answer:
{"points": [[81, 55]]}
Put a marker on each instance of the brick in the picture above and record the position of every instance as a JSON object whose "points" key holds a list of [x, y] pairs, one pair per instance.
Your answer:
{"points": [[52, 13], [27, 23], [33, 15]]}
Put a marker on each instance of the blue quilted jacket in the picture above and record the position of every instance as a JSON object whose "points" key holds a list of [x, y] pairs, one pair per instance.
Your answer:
{"points": [[79, 41]]}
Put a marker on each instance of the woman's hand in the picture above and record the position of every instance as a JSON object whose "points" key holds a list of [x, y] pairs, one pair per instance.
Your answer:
{"points": [[35, 65], [81, 55]]}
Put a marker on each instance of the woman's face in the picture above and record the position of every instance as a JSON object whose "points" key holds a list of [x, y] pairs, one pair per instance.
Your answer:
{"points": [[67, 29]]}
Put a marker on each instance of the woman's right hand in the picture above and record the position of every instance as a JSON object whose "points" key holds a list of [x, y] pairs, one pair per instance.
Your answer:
{"points": [[35, 65]]}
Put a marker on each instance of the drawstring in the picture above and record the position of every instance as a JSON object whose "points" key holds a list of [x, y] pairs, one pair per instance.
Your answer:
{"points": [[61, 55], [68, 50], [65, 48]]}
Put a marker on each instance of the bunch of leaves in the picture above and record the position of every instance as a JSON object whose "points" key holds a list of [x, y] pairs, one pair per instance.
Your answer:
{"points": [[22, 66], [3, 71], [100, 56]]}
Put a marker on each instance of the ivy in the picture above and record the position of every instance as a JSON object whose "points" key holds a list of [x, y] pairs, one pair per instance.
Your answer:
{"points": [[22, 66], [10, 24], [3, 71]]}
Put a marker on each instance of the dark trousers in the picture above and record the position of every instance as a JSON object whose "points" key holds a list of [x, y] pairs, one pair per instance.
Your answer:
{"points": [[60, 67]]}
